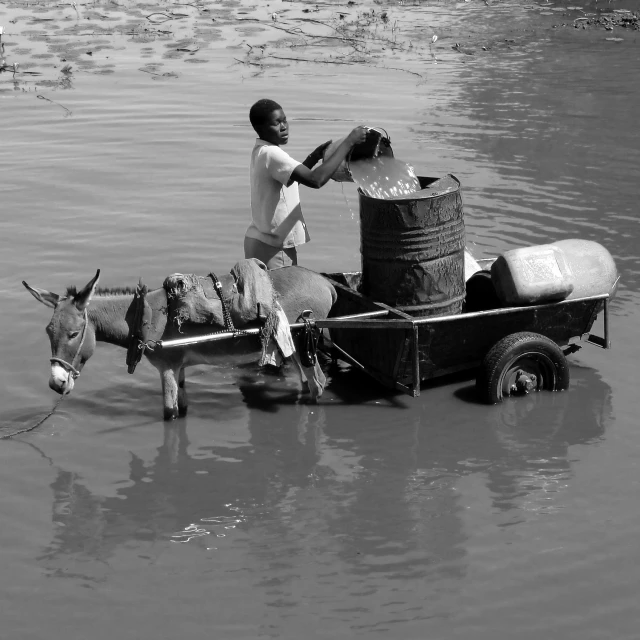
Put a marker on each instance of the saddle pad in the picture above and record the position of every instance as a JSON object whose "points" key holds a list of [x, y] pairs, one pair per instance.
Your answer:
{"points": [[248, 293]]}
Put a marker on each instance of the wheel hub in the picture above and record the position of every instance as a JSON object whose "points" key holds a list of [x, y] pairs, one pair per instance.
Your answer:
{"points": [[524, 382]]}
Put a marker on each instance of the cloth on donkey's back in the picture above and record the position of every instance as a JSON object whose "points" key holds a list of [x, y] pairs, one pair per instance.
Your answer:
{"points": [[194, 298], [278, 341], [255, 297]]}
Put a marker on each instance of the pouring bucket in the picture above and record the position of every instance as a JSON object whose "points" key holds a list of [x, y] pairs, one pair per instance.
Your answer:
{"points": [[376, 144]]}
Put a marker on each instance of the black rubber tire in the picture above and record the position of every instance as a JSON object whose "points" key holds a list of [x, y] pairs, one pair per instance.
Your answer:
{"points": [[526, 351]]}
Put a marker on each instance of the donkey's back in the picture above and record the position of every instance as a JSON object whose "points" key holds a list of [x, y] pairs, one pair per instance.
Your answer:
{"points": [[300, 289]]}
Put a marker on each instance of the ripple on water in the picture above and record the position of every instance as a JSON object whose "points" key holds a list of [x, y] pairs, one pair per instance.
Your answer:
{"points": [[216, 526]]}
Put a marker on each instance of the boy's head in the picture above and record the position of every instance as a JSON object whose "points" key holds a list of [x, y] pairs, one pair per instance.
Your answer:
{"points": [[270, 123]]}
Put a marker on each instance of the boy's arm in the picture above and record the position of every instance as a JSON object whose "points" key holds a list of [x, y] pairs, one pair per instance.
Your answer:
{"points": [[318, 177]]}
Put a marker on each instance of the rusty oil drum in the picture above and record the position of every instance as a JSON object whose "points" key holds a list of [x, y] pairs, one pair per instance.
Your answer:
{"points": [[413, 249]]}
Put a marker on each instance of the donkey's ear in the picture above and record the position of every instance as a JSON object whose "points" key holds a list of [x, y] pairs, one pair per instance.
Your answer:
{"points": [[44, 296], [82, 298]]}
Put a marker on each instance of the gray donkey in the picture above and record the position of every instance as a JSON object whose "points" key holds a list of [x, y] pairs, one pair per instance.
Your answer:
{"points": [[82, 318]]}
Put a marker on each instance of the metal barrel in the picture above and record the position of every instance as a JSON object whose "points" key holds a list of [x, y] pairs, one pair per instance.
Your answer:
{"points": [[413, 249]]}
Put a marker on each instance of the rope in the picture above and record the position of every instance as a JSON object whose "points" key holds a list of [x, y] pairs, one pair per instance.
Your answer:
{"points": [[36, 425], [73, 372]]}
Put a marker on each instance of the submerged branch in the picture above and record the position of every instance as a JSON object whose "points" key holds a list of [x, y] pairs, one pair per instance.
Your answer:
{"points": [[345, 62], [255, 64], [312, 60]]}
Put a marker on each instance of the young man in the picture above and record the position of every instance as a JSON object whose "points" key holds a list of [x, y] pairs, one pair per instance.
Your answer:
{"points": [[277, 225]]}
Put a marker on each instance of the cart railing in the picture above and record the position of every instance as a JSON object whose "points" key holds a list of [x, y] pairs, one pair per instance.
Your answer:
{"points": [[380, 320], [255, 331]]}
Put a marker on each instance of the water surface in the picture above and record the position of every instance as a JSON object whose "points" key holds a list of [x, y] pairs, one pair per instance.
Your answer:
{"points": [[370, 514]]}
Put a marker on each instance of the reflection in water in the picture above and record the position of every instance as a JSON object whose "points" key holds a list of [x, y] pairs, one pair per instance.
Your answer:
{"points": [[319, 503], [78, 549], [538, 434], [526, 458]]}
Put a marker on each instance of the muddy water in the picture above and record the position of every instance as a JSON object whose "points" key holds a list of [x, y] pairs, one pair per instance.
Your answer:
{"points": [[371, 514]]}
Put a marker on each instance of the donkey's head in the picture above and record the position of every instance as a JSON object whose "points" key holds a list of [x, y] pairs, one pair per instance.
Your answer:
{"points": [[72, 336]]}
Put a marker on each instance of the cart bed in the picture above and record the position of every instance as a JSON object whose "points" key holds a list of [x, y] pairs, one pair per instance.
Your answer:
{"points": [[401, 351]]}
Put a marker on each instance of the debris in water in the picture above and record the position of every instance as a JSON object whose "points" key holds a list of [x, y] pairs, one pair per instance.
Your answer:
{"points": [[41, 97]]}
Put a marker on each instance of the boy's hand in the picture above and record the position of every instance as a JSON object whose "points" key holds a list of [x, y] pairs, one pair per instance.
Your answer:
{"points": [[316, 155], [320, 151], [358, 135]]}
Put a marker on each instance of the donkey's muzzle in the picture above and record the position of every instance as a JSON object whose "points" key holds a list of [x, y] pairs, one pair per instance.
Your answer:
{"points": [[60, 381]]}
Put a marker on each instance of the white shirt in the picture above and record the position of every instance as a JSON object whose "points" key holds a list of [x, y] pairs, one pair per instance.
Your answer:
{"points": [[276, 215]]}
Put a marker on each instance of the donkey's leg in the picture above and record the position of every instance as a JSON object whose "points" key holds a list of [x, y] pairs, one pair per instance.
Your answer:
{"points": [[169, 393], [303, 379], [183, 403], [314, 377]]}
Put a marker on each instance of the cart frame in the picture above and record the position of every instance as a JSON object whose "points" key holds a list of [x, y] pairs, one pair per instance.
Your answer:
{"points": [[402, 351]]}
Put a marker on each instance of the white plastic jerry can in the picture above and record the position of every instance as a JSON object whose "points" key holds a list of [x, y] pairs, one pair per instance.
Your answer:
{"points": [[551, 272]]}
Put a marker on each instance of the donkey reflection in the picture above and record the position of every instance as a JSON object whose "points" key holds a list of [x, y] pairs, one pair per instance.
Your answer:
{"points": [[315, 481], [82, 318]]}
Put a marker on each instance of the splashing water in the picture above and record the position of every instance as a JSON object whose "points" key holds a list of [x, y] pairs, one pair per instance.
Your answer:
{"points": [[384, 177]]}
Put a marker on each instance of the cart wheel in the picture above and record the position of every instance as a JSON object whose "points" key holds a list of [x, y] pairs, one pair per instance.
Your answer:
{"points": [[520, 363]]}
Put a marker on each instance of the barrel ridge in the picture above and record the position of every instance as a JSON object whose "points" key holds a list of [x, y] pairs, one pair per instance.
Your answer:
{"points": [[414, 245], [389, 234]]}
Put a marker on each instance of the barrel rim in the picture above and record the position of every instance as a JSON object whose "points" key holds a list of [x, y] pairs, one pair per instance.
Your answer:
{"points": [[417, 195]]}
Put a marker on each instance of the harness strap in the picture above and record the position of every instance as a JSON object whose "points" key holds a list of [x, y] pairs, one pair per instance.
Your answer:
{"points": [[138, 338], [71, 367], [228, 322]]}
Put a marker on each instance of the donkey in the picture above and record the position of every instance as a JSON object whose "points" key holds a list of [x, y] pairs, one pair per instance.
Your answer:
{"points": [[82, 318]]}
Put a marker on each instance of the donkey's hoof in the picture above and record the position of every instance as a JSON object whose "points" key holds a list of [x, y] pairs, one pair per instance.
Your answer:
{"points": [[308, 400], [182, 411], [170, 414]]}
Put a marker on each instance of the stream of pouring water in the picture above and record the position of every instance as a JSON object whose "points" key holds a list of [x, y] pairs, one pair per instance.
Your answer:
{"points": [[384, 177]]}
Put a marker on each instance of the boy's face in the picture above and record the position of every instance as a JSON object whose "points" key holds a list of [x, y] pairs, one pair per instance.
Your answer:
{"points": [[276, 129]]}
